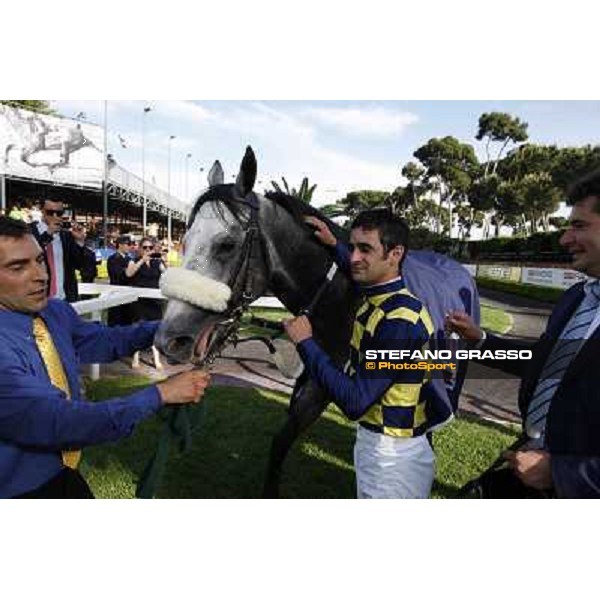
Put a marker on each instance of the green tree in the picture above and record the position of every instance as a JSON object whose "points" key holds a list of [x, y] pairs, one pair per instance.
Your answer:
{"points": [[529, 202], [542, 198], [40, 106], [357, 201], [499, 127], [531, 187], [526, 159], [332, 210], [482, 200], [402, 198], [414, 173], [572, 163], [450, 167]]}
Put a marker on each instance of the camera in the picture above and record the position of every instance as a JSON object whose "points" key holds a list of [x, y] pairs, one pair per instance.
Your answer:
{"points": [[156, 255]]}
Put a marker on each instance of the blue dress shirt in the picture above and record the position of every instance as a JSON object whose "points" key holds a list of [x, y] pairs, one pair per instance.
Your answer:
{"points": [[36, 419]]}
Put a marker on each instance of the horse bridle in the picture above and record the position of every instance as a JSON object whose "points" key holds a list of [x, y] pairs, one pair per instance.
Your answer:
{"points": [[249, 254]]}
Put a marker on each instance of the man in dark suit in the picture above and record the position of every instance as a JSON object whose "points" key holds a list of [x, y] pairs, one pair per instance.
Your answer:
{"points": [[559, 396], [64, 251]]}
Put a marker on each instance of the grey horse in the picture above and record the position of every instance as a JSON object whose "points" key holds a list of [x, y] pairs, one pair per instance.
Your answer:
{"points": [[239, 245]]}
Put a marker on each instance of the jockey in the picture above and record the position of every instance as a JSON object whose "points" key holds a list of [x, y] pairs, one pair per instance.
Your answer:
{"points": [[392, 456]]}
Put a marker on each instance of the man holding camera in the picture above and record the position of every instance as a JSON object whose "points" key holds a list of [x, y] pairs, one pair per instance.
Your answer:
{"points": [[64, 251]]}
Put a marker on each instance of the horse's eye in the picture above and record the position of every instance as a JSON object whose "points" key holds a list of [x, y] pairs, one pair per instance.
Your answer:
{"points": [[226, 246]]}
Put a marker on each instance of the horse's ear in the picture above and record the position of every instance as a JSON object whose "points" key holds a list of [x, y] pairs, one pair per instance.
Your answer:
{"points": [[247, 175], [216, 176]]}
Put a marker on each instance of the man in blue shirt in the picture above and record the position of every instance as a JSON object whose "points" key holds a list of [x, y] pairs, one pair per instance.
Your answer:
{"points": [[39, 419], [392, 456]]}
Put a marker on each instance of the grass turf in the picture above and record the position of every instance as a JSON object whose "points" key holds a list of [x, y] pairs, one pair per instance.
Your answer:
{"points": [[229, 453], [492, 319]]}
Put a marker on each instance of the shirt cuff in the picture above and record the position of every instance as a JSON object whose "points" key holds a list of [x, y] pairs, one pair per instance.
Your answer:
{"points": [[307, 349], [482, 341]]}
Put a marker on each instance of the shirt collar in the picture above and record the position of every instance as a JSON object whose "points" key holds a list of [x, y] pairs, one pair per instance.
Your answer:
{"points": [[393, 285], [43, 228], [592, 286]]}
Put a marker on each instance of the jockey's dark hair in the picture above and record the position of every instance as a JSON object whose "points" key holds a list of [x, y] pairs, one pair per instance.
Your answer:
{"points": [[585, 186], [13, 228], [393, 230]]}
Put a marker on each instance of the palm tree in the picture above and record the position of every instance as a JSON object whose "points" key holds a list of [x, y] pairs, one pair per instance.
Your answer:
{"points": [[304, 193]]}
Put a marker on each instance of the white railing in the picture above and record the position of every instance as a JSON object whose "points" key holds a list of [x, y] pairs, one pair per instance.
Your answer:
{"points": [[119, 295]]}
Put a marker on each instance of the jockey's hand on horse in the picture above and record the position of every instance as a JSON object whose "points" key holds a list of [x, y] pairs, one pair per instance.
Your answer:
{"points": [[184, 388], [322, 232], [463, 324], [298, 329]]}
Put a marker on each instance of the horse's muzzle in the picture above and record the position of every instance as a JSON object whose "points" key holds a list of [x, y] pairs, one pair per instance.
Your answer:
{"points": [[177, 349]]}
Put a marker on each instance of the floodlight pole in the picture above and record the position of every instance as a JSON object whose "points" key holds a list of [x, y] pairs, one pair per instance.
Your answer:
{"points": [[105, 181], [147, 109]]}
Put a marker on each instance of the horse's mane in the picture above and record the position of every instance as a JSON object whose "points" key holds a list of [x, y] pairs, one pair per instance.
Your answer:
{"points": [[218, 192], [299, 209]]}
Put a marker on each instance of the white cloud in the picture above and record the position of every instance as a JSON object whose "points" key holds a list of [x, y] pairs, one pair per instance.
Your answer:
{"points": [[263, 122], [287, 141], [371, 121], [287, 144], [185, 110]]}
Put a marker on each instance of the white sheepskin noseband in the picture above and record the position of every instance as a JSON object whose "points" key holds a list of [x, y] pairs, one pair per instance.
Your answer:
{"points": [[189, 286]]}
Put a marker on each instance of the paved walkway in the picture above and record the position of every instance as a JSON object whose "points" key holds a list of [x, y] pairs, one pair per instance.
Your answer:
{"points": [[486, 393]]}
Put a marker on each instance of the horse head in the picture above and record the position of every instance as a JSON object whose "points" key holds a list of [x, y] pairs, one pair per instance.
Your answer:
{"points": [[238, 245]]}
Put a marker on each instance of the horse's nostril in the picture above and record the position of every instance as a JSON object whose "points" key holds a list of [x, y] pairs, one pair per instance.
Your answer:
{"points": [[180, 344]]}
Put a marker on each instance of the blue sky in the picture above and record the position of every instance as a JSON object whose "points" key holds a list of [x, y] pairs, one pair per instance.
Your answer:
{"points": [[340, 145]]}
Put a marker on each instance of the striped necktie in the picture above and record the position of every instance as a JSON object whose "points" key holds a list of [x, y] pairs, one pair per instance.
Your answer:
{"points": [[558, 361], [57, 376]]}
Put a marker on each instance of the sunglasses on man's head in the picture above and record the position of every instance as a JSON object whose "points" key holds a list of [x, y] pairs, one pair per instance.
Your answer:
{"points": [[54, 213]]}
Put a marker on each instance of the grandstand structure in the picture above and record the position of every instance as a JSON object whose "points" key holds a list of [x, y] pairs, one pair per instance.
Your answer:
{"points": [[45, 157]]}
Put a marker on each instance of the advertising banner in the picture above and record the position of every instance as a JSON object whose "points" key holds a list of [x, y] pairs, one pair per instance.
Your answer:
{"points": [[499, 272], [550, 277], [49, 148]]}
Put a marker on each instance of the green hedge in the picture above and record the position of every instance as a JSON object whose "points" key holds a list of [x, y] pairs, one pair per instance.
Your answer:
{"points": [[536, 247], [525, 290]]}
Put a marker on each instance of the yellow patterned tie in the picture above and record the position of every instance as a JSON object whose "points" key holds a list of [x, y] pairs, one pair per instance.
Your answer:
{"points": [[57, 376]]}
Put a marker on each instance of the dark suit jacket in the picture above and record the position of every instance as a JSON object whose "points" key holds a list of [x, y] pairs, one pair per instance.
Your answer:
{"points": [[116, 266], [74, 258], [573, 425]]}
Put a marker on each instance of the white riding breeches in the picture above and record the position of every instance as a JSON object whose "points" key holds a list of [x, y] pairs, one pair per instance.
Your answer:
{"points": [[392, 467]]}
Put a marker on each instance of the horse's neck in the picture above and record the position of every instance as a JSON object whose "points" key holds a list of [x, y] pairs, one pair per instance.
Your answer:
{"points": [[299, 267], [297, 264]]}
